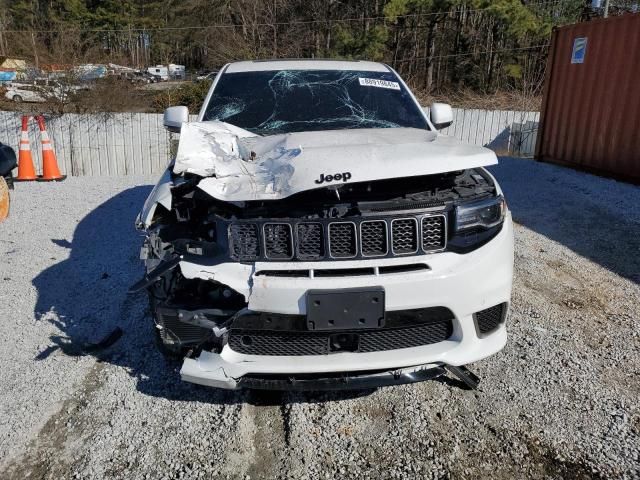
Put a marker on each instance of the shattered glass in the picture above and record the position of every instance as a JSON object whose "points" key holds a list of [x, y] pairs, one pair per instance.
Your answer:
{"points": [[287, 101]]}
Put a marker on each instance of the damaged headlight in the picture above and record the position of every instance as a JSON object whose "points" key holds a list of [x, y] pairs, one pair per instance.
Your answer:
{"points": [[484, 213]]}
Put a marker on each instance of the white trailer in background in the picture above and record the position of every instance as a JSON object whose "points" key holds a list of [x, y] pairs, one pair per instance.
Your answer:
{"points": [[176, 72], [168, 72], [159, 71]]}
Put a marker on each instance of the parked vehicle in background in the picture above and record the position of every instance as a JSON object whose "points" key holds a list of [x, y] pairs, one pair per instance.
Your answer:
{"points": [[24, 93], [35, 93], [151, 78], [138, 77], [208, 76], [315, 231], [89, 72], [203, 72]]}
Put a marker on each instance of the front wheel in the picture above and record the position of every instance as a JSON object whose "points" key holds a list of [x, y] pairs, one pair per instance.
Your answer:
{"points": [[17, 98]]}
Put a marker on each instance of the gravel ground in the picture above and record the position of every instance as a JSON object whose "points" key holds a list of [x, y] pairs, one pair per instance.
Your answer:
{"points": [[560, 401]]}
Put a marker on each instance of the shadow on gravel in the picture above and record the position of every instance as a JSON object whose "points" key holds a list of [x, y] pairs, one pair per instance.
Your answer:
{"points": [[83, 294], [585, 213], [85, 297]]}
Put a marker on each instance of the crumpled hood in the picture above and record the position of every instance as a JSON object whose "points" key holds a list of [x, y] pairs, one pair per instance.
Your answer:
{"points": [[240, 166]]}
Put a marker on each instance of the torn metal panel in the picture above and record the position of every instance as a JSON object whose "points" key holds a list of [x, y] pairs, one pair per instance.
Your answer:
{"points": [[240, 167], [161, 194], [208, 148], [239, 277]]}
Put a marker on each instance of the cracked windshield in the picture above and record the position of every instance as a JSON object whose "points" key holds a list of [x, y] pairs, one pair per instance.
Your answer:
{"points": [[286, 101]]}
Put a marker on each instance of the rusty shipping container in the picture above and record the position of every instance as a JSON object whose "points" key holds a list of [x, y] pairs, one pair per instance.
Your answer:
{"points": [[590, 117]]}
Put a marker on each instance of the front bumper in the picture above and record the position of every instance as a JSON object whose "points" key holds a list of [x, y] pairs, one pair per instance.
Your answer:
{"points": [[465, 284], [343, 381]]}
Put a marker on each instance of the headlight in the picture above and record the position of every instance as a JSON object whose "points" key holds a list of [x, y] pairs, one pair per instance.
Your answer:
{"points": [[485, 213]]}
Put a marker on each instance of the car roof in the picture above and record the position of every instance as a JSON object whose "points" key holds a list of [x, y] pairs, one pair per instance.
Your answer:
{"points": [[305, 64]]}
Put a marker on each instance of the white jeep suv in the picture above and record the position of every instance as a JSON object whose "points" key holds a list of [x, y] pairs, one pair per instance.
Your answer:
{"points": [[315, 231]]}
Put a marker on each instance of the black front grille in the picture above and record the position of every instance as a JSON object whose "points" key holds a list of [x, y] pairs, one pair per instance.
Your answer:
{"points": [[262, 342], [404, 236], [373, 236], [278, 244], [298, 343], [337, 240], [310, 241], [380, 340], [489, 319], [243, 241], [342, 238]]}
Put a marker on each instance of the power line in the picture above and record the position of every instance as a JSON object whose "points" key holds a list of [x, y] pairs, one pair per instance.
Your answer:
{"points": [[269, 24], [469, 54]]}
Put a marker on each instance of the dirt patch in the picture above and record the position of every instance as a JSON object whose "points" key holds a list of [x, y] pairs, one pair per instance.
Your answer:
{"points": [[50, 453], [544, 463]]}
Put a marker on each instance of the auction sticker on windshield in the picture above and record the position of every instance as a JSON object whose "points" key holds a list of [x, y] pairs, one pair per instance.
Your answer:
{"points": [[374, 82]]}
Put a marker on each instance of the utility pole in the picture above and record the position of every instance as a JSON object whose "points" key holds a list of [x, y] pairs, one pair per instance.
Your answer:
{"points": [[606, 8], [35, 50]]}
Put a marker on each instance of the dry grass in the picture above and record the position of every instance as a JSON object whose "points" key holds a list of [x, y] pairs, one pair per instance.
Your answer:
{"points": [[105, 95], [501, 100], [115, 95]]}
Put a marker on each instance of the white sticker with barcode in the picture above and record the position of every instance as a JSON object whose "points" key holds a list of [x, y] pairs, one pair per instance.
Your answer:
{"points": [[374, 82]]}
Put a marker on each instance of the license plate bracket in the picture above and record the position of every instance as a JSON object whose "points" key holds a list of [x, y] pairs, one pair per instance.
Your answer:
{"points": [[346, 309]]}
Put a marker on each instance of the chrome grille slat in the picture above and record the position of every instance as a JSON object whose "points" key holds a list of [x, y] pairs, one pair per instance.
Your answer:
{"points": [[342, 240], [404, 236], [278, 241], [373, 238], [434, 235]]}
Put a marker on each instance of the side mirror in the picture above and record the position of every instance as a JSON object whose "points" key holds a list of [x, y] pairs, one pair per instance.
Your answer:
{"points": [[441, 115], [174, 117]]}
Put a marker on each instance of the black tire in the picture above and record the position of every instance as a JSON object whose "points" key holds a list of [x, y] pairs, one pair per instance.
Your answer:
{"points": [[17, 98]]}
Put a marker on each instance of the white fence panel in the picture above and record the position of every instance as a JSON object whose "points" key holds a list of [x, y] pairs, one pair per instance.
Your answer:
{"points": [[97, 144], [505, 131], [137, 143]]}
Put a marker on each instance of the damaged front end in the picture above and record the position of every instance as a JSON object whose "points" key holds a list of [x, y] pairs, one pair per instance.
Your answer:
{"points": [[190, 313], [236, 211]]}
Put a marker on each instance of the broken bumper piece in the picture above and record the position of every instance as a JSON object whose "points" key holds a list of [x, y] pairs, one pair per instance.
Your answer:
{"points": [[232, 370], [191, 372]]}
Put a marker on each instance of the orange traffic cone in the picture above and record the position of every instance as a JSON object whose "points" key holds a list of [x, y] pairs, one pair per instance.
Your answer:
{"points": [[50, 170], [26, 170]]}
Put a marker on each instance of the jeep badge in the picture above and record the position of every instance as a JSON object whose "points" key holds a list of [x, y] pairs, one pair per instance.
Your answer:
{"points": [[345, 176]]}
